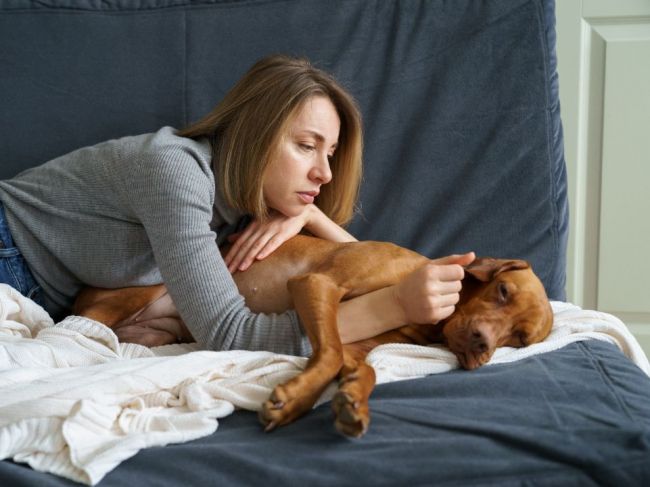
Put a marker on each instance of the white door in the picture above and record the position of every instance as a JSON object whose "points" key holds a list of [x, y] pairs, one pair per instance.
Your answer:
{"points": [[604, 70]]}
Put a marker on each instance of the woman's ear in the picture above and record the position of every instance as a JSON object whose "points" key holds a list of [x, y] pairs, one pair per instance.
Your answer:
{"points": [[486, 268]]}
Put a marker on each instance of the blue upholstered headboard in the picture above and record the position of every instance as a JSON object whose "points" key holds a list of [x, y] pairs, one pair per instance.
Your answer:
{"points": [[463, 142]]}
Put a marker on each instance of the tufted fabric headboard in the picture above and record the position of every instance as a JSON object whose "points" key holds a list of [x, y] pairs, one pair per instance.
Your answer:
{"points": [[463, 140]]}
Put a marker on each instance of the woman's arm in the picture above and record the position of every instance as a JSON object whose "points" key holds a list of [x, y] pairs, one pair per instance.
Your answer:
{"points": [[425, 296], [171, 196], [321, 226], [260, 239]]}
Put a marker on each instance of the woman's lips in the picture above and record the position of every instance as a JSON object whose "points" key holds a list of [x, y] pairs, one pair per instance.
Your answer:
{"points": [[308, 196]]}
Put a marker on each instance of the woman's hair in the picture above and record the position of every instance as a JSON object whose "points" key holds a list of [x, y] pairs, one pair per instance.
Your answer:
{"points": [[248, 125]]}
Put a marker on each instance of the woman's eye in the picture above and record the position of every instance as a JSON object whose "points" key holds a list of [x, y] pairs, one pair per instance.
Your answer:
{"points": [[307, 147]]}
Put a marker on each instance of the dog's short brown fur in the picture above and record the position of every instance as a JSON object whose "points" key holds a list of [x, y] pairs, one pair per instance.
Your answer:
{"points": [[502, 303]]}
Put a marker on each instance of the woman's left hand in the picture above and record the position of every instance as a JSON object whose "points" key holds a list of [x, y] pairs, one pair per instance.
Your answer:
{"points": [[259, 239]]}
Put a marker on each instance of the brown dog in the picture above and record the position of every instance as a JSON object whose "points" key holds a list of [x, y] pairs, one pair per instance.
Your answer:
{"points": [[502, 303]]}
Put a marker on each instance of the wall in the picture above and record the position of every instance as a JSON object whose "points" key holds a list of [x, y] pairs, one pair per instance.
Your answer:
{"points": [[604, 69]]}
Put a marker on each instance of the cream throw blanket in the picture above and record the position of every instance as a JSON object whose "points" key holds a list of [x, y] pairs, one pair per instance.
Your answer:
{"points": [[76, 403]]}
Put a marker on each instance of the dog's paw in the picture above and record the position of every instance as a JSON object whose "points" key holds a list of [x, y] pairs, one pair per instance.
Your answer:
{"points": [[281, 408], [352, 416]]}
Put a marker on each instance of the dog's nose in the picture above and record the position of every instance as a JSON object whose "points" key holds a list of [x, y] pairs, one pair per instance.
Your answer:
{"points": [[479, 342]]}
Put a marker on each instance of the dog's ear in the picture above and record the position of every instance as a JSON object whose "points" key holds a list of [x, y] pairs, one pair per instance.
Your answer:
{"points": [[486, 268]]}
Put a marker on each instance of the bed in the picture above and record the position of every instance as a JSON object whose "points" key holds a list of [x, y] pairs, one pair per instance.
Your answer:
{"points": [[463, 151]]}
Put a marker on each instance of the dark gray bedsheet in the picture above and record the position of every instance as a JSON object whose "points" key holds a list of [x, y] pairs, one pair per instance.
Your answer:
{"points": [[576, 416]]}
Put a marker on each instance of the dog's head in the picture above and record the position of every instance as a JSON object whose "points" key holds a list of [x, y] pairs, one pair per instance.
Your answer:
{"points": [[502, 303]]}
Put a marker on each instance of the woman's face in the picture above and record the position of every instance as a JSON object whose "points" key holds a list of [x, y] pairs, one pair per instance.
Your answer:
{"points": [[300, 165]]}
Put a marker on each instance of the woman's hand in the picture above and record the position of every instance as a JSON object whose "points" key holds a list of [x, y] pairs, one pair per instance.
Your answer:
{"points": [[259, 239], [430, 293], [425, 296]]}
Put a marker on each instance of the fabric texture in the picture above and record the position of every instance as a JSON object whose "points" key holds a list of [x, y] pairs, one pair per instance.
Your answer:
{"points": [[141, 210], [75, 402], [459, 101]]}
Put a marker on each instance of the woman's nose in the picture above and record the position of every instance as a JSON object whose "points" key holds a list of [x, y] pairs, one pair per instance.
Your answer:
{"points": [[321, 171]]}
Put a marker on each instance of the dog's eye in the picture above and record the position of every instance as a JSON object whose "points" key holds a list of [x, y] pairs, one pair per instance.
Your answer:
{"points": [[502, 292]]}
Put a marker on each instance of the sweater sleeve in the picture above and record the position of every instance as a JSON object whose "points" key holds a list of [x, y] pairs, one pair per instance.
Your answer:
{"points": [[171, 194]]}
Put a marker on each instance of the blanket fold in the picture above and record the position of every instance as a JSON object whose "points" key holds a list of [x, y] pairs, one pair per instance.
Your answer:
{"points": [[75, 402]]}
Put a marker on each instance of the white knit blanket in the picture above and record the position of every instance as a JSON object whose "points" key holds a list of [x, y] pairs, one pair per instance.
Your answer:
{"points": [[76, 403]]}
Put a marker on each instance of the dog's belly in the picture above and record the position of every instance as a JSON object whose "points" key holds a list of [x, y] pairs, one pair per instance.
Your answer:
{"points": [[264, 284], [265, 292]]}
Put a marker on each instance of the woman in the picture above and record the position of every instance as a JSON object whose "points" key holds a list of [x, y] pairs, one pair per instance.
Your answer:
{"points": [[284, 146]]}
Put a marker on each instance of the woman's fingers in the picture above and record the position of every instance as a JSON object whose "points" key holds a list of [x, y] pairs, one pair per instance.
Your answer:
{"points": [[444, 273], [259, 240], [240, 241], [460, 259], [430, 293], [253, 251], [272, 245], [445, 312], [242, 246]]}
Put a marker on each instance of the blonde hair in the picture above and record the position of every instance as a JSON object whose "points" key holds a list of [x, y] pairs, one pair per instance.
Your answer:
{"points": [[247, 126]]}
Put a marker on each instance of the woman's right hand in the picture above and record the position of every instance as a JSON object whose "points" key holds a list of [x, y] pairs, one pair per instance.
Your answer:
{"points": [[259, 239], [429, 294]]}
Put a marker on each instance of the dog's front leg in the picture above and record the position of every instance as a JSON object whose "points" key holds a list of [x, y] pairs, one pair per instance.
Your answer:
{"points": [[350, 403], [316, 298]]}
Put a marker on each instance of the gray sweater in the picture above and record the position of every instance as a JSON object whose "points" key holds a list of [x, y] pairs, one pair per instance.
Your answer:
{"points": [[139, 211]]}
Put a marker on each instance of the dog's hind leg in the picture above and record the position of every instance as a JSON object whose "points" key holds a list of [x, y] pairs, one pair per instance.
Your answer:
{"points": [[316, 298], [350, 403]]}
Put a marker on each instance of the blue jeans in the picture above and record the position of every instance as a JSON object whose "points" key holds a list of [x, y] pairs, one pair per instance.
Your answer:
{"points": [[13, 268]]}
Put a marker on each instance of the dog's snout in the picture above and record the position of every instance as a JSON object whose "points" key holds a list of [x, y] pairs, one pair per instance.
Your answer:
{"points": [[479, 342]]}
